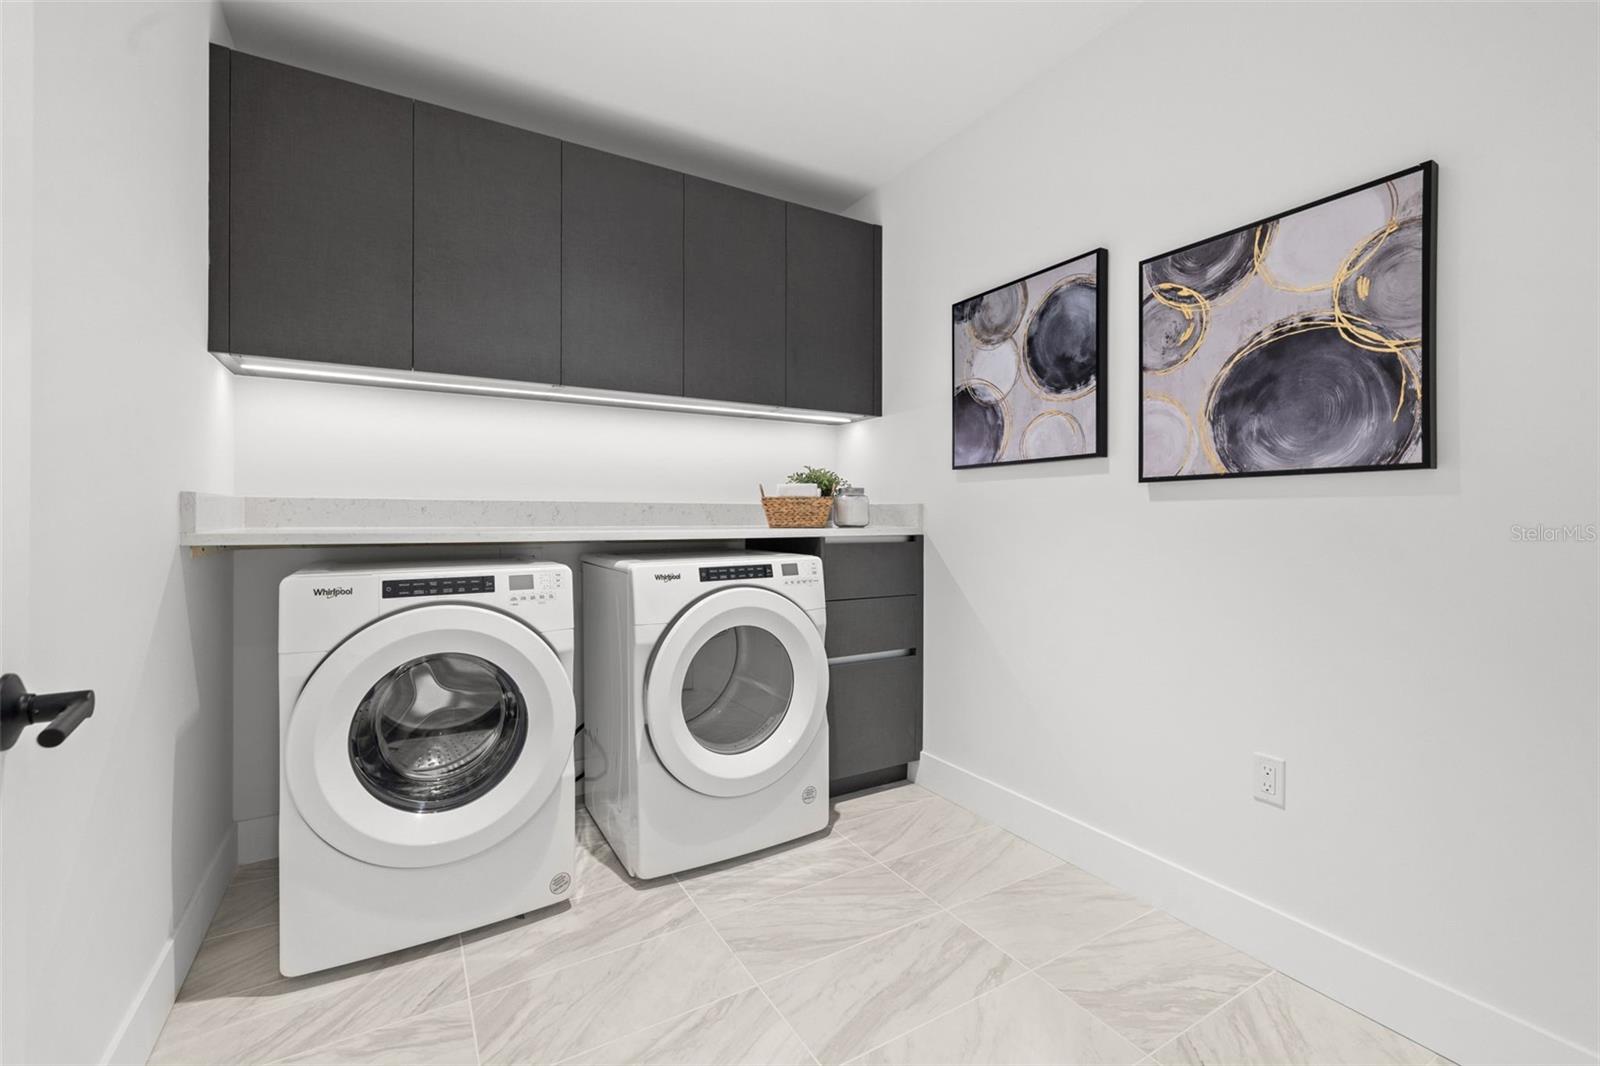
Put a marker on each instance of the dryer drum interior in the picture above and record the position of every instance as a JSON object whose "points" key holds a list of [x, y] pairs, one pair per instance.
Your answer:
{"points": [[737, 689]]}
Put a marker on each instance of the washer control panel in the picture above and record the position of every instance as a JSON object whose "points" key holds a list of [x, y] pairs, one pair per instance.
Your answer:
{"points": [[438, 586], [542, 586], [735, 573]]}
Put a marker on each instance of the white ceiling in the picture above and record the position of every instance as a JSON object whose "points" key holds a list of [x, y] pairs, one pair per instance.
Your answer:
{"points": [[816, 102]]}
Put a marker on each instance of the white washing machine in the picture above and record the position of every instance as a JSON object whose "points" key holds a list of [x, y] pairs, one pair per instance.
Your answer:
{"points": [[705, 692], [425, 782]]}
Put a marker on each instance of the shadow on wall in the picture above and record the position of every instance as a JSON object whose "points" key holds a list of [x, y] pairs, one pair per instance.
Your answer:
{"points": [[992, 680], [201, 770], [1051, 469], [1397, 484]]}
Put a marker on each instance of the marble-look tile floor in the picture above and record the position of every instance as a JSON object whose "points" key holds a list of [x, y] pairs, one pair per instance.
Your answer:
{"points": [[911, 932]]}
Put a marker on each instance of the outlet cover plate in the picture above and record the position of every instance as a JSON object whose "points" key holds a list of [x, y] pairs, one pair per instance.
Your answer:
{"points": [[1266, 780]]}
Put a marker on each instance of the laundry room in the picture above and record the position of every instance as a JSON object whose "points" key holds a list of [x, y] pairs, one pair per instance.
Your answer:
{"points": [[775, 532]]}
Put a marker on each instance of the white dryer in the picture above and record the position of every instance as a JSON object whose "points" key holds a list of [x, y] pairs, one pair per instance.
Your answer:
{"points": [[705, 692], [425, 760]]}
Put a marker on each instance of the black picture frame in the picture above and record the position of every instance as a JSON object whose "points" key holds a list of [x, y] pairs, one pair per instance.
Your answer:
{"points": [[1429, 459], [1101, 407]]}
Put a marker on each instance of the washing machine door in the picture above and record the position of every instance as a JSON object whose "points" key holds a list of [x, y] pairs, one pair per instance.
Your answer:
{"points": [[429, 736], [736, 691]]}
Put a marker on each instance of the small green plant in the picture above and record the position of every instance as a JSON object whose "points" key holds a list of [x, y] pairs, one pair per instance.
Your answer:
{"points": [[825, 480]]}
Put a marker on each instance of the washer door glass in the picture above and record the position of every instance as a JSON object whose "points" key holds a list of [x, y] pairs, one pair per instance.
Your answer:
{"points": [[737, 689], [437, 732]]}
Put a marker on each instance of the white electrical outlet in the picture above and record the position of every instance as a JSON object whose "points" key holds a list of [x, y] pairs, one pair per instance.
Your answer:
{"points": [[1268, 780]]}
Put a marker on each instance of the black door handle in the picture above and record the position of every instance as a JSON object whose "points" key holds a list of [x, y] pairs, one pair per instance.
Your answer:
{"points": [[19, 708]]}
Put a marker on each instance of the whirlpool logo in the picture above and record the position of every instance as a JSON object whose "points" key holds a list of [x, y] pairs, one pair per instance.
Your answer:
{"points": [[332, 593], [669, 577]]}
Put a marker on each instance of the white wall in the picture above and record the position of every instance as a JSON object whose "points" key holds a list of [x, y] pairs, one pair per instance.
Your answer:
{"points": [[300, 438], [110, 837], [1115, 652]]}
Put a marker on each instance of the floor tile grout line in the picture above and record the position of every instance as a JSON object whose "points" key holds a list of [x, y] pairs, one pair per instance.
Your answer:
{"points": [[569, 1056], [1034, 970], [962, 836], [785, 894], [1097, 938], [1026, 971], [342, 1037], [939, 844], [371, 975], [1029, 970], [947, 913], [945, 1013], [1208, 1014], [589, 958], [747, 972], [839, 951], [875, 815], [472, 1014]]}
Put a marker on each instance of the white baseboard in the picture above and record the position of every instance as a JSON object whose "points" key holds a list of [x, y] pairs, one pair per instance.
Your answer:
{"points": [[136, 1035], [258, 839], [1452, 1023]]}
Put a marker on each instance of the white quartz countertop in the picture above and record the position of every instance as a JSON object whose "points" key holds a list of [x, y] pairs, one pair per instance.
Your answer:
{"points": [[209, 520]]}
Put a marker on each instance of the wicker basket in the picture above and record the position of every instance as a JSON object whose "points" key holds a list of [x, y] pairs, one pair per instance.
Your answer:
{"points": [[796, 512]]}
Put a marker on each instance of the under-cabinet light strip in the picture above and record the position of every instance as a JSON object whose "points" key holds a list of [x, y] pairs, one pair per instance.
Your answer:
{"points": [[264, 366]]}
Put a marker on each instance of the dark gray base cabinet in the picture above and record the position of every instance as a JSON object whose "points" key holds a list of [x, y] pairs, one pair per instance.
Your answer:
{"points": [[350, 225], [874, 597]]}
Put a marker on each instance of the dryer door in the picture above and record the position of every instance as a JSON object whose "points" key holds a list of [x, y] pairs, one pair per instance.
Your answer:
{"points": [[428, 736], [736, 691]]}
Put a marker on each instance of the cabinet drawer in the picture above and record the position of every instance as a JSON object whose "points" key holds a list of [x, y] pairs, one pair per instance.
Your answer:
{"points": [[882, 623], [881, 568], [874, 715]]}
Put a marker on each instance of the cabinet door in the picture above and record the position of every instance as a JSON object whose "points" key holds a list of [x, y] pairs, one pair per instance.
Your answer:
{"points": [[621, 273], [733, 294], [319, 251], [487, 295], [834, 343], [874, 715]]}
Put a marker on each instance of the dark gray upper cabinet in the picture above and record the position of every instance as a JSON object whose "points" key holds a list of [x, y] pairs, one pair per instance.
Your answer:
{"points": [[350, 225], [834, 339], [319, 201], [621, 273], [487, 293], [217, 239], [733, 294]]}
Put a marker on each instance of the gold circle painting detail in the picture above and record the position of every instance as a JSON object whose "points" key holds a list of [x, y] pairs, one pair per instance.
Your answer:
{"points": [[1052, 433]]}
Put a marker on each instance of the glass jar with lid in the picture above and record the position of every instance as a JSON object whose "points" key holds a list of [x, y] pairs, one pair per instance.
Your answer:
{"points": [[851, 506]]}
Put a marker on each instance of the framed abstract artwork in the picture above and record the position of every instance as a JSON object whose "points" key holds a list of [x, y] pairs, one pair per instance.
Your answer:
{"points": [[1299, 344], [1029, 366]]}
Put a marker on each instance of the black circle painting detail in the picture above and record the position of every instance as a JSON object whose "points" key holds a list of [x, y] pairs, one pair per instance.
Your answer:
{"points": [[1307, 394], [979, 425], [1062, 349], [1295, 345], [1209, 270]]}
